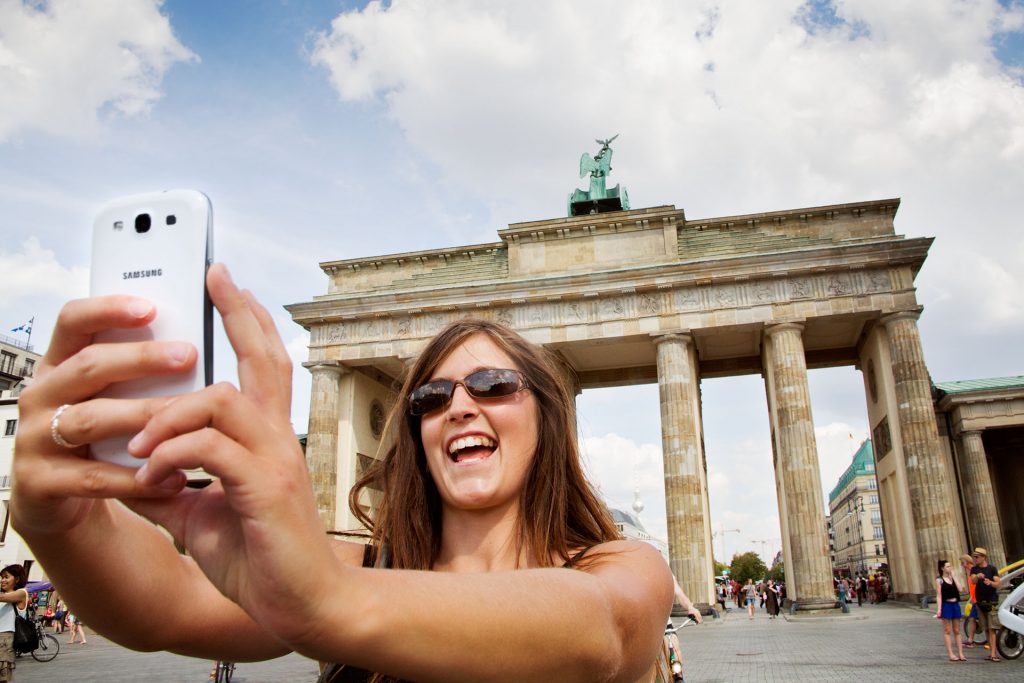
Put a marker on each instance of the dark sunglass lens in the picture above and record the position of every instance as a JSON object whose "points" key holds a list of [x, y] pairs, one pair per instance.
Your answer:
{"points": [[430, 396], [493, 383]]}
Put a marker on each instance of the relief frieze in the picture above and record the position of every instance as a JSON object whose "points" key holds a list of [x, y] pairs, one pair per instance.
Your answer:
{"points": [[686, 299], [725, 296], [799, 288], [762, 293], [839, 285], [649, 305], [522, 313], [878, 280], [613, 308], [576, 312]]}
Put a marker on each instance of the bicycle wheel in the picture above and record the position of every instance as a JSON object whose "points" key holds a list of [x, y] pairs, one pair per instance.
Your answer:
{"points": [[979, 635], [1010, 643], [49, 647]]}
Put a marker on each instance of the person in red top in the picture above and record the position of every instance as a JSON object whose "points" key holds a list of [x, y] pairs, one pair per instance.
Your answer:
{"points": [[967, 563]]}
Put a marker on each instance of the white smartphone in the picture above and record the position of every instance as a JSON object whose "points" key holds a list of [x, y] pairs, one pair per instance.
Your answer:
{"points": [[156, 246]]}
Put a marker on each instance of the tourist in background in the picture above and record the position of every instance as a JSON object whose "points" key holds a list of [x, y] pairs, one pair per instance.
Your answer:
{"points": [[967, 564], [947, 608], [76, 629], [986, 586], [13, 600], [772, 599], [750, 592]]}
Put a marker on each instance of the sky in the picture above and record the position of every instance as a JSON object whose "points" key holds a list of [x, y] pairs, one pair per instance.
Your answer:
{"points": [[336, 130]]}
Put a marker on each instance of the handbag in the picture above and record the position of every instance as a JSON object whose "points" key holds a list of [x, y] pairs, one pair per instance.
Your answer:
{"points": [[26, 638]]}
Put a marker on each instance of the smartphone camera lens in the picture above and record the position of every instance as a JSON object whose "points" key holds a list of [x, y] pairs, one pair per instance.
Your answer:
{"points": [[171, 220], [143, 222]]}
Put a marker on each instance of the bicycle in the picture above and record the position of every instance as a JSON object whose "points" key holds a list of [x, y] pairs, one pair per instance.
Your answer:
{"points": [[48, 647], [675, 659], [223, 672], [979, 635]]}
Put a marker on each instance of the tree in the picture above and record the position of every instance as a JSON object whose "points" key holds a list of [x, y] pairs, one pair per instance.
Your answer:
{"points": [[778, 572], [749, 565], [720, 568]]}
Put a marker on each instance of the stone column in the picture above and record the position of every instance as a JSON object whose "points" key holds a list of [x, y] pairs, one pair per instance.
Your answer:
{"points": [[980, 500], [322, 437], [929, 480], [797, 467], [689, 530]]}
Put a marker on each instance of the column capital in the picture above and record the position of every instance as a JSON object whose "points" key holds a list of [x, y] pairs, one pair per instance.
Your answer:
{"points": [[333, 366], [970, 433], [909, 314], [681, 335], [772, 328]]}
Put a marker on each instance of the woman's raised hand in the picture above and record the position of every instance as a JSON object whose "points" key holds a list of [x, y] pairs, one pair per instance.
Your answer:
{"points": [[255, 533], [55, 486]]}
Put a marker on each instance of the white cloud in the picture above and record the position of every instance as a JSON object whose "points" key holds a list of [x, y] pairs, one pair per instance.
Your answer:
{"points": [[64, 63], [33, 272], [618, 466]]}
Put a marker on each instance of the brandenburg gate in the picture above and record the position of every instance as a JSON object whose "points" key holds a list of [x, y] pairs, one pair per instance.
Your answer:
{"points": [[649, 295]]}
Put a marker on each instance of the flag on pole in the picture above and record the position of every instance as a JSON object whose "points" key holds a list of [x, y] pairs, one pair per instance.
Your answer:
{"points": [[26, 328]]}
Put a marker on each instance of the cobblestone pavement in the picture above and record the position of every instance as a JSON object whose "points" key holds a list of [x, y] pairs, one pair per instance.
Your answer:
{"points": [[874, 643]]}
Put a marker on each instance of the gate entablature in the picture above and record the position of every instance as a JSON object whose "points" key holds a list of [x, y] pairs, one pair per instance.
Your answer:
{"points": [[594, 285]]}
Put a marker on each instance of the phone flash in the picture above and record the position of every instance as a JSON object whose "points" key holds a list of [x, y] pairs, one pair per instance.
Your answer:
{"points": [[118, 225]]}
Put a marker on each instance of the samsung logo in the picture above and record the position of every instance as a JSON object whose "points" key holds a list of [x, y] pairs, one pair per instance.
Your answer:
{"points": [[135, 274]]}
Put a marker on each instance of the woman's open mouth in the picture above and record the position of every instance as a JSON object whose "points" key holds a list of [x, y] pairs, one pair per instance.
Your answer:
{"points": [[471, 448]]}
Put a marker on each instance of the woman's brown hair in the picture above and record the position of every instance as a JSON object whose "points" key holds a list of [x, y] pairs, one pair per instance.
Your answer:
{"points": [[559, 511]]}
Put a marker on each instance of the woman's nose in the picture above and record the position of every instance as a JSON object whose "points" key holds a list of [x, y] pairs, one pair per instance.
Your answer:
{"points": [[462, 404]]}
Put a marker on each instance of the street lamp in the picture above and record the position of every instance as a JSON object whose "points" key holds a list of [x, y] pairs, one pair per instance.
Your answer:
{"points": [[721, 534]]}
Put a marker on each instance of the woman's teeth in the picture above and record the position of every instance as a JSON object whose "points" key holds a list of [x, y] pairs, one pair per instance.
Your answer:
{"points": [[470, 442]]}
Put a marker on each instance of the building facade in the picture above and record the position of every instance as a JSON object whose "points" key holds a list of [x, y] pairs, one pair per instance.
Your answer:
{"points": [[855, 513], [17, 365], [981, 427]]}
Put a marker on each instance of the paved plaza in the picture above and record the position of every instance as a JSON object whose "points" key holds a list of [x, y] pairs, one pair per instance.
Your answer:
{"points": [[873, 643]]}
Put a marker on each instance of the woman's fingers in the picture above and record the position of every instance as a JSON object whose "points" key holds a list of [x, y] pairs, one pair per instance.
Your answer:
{"points": [[79, 320], [98, 419], [209, 449], [97, 366], [218, 429], [275, 346], [261, 355]]}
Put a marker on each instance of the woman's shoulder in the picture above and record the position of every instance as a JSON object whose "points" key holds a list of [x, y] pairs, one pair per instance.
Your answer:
{"points": [[630, 554]]}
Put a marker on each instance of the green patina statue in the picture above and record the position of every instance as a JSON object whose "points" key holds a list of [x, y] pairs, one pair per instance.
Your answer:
{"points": [[598, 199]]}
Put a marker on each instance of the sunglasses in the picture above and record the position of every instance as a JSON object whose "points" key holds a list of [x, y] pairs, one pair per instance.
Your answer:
{"points": [[489, 383]]}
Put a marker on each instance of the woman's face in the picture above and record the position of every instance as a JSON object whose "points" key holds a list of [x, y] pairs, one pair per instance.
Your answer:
{"points": [[946, 568], [6, 582], [479, 450]]}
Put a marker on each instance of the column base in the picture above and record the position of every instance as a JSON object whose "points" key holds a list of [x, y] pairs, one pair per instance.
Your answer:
{"points": [[811, 605]]}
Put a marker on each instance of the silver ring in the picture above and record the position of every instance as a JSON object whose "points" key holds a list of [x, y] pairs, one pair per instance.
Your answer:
{"points": [[55, 428]]}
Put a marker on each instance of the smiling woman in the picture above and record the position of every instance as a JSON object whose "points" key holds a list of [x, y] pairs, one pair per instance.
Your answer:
{"points": [[482, 491]]}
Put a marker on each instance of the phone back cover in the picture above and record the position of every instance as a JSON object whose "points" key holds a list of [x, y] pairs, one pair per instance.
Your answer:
{"points": [[166, 265]]}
